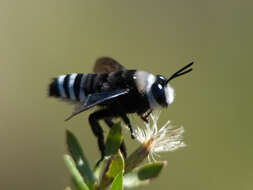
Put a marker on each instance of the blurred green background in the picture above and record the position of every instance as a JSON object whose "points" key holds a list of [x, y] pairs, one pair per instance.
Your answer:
{"points": [[43, 39]]}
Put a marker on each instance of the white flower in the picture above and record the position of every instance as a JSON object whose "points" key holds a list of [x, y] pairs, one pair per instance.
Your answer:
{"points": [[167, 138]]}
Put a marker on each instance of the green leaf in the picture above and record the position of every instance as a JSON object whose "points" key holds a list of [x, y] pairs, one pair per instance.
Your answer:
{"points": [[142, 175], [151, 170], [81, 161], [117, 183], [136, 158], [70, 163], [114, 140], [116, 165]]}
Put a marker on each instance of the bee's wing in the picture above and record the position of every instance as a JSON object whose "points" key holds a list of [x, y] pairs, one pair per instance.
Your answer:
{"points": [[107, 65], [95, 99]]}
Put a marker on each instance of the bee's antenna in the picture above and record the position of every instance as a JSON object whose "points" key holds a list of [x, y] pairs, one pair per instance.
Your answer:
{"points": [[179, 72]]}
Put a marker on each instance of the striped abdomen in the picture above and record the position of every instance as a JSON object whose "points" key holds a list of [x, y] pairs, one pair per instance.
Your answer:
{"points": [[76, 87]]}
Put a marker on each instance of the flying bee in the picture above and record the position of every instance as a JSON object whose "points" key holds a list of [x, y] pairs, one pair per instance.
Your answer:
{"points": [[117, 91]]}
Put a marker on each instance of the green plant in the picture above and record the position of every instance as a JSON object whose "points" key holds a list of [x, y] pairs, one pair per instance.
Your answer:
{"points": [[114, 171]]}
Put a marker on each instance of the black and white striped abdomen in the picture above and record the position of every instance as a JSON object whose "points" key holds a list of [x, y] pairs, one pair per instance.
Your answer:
{"points": [[73, 87], [76, 87]]}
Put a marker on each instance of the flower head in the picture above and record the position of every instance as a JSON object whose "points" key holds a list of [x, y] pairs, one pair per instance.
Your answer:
{"points": [[167, 138]]}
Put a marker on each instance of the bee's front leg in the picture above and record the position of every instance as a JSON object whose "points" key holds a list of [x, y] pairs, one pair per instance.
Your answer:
{"points": [[144, 117], [127, 122]]}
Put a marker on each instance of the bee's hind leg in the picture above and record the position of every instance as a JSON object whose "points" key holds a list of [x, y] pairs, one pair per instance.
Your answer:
{"points": [[97, 129], [122, 146]]}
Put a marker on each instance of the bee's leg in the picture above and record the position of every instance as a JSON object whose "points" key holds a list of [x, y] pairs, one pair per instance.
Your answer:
{"points": [[127, 122], [144, 117], [97, 129], [122, 146]]}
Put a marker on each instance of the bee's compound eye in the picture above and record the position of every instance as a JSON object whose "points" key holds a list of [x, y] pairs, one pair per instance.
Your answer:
{"points": [[158, 92]]}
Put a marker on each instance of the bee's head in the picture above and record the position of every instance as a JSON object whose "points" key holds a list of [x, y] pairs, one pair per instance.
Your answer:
{"points": [[161, 92]]}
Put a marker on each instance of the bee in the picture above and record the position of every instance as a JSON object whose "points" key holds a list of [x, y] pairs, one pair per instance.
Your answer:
{"points": [[117, 92]]}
